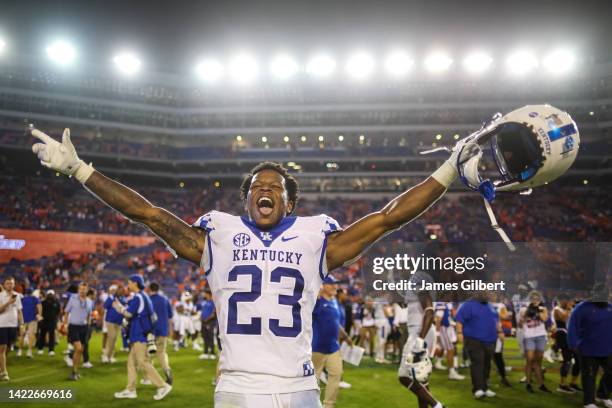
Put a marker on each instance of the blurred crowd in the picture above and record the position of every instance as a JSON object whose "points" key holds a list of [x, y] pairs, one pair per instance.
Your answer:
{"points": [[548, 214]]}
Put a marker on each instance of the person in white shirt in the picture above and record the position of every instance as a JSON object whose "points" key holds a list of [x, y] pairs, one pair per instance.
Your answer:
{"points": [[10, 321], [532, 320]]}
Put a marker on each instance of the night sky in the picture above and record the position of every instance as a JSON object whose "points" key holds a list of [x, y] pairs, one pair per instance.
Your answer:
{"points": [[171, 35]]}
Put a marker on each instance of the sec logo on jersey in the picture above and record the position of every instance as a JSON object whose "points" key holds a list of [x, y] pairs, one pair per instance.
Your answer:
{"points": [[242, 239]]}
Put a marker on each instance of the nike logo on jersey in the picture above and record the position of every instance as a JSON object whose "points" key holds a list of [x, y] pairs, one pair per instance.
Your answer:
{"points": [[288, 238]]}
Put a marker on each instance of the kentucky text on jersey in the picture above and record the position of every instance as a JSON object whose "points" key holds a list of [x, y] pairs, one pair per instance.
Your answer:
{"points": [[267, 255]]}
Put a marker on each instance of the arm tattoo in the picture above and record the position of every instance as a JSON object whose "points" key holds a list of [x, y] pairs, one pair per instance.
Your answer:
{"points": [[186, 241]]}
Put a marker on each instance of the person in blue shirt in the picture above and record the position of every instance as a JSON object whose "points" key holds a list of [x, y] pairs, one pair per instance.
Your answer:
{"points": [[326, 331], [478, 328], [589, 332], [32, 313], [139, 312], [112, 323], [162, 327], [208, 315]]}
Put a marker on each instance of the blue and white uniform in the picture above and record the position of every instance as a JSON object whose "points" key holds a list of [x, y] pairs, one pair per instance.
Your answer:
{"points": [[519, 303], [448, 334], [265, 286]]}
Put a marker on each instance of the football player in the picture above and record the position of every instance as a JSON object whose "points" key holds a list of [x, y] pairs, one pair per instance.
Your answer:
{"points": [[264, 268]]}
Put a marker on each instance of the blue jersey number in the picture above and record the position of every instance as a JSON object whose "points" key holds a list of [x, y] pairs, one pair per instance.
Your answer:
{"points": [[233, 327]]}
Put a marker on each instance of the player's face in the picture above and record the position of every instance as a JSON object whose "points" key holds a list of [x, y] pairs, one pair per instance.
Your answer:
{"points": [[267, 201], [83, 290]]}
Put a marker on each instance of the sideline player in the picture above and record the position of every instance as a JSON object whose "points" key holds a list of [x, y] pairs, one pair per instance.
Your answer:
{"points": [[421, 339], [264, 269], [448, 337], [162, 327], [561, 314]]}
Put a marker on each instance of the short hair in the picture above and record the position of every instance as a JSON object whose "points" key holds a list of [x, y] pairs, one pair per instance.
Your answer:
{"points": [[291, 183], [154, 287], [90, 292]]}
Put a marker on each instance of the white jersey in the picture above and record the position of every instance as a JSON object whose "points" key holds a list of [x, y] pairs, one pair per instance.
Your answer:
{"points": [[413, 304], [519, 303], [265, 285]]}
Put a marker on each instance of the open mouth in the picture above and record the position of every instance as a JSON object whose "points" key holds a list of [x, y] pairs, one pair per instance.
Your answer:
{"points": [[265, 205]]}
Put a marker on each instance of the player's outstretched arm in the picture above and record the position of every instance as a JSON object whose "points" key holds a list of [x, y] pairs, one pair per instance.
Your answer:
{"points": [[188, 242], [348, 244]]}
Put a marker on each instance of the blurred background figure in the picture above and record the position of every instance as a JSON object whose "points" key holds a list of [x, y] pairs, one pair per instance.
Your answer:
{"points": [[31, 310], [589, 333], [478, 329], [51, 310], [532, 318]]}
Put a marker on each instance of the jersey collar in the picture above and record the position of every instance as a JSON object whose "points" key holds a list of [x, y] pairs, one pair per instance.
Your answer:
{"points": [[267, 237]]}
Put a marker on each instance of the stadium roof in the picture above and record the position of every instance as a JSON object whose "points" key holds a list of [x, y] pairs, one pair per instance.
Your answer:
{"points": [[170, 36]]}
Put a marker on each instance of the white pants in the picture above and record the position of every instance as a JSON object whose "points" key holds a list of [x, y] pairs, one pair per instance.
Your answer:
{"points": [[448, 338], [300, 399], [430, 339]]}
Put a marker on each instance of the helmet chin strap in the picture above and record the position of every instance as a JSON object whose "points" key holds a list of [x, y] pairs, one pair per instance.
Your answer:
{"points": [[496, 226]]}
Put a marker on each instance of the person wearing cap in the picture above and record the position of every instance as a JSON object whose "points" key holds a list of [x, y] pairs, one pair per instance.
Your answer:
{"points": [[326, 331], [139, 312], [77, 315], [112, 321], [588, 333], [51, 309], [31, 315]]}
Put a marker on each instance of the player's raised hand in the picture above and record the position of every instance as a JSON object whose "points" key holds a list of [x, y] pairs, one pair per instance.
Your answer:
{"points": [[62, 156]]}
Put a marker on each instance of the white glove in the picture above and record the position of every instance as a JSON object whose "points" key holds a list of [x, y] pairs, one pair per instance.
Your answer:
{"points": [[61, 157], [418, 346]]}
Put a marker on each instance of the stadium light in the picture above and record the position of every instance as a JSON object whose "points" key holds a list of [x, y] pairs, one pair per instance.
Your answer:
{"points": [[360, 65], [559, 62], [398, 63], [61, 52], [522, 62], [243, 68], [284, 67], [209, 70], [286, 139], [2, 45], [321, 66], [264, 139], [438, 62], [477, 62], [127, 63], [340, 138]]}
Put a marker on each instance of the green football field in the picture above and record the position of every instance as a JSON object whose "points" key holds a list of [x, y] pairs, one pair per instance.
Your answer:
{"points": [[374, 385]]}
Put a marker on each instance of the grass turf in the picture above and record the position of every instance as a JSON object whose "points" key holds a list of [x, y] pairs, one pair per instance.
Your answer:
{"points": [[374, 385]]}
